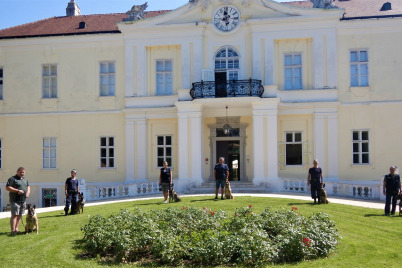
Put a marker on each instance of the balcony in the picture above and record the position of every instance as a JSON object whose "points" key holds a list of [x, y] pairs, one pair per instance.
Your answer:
{"points": [[233, 88]]}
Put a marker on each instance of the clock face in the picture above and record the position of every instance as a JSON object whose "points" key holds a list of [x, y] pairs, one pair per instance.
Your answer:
{"points": [[226, 18]]}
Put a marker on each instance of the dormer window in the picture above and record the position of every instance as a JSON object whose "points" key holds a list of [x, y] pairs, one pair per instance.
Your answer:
{"points": [[82, 25]]}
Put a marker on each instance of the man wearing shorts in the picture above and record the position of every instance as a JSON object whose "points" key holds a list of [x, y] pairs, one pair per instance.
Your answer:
{"points": [[19, 190], [221, 175]]}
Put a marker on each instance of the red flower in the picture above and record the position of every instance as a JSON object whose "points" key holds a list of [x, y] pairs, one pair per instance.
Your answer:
{"points": [[250, 206], [307, 241], [184, 226], [184, 207], [213, 213], [204, 208], [294, 208], [236, 215]]}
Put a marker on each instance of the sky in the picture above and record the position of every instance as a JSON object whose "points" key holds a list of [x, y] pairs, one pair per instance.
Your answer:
{"points": [[17, 12]]}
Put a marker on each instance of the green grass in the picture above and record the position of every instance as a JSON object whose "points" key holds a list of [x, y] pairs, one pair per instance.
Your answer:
{"points": [[368, 239]]}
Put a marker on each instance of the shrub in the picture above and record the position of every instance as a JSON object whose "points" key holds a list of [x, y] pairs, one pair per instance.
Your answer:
{"points": [[204, 237]]}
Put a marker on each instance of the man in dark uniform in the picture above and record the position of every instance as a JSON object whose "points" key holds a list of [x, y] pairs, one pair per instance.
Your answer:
{"points": [[19, 190], [71, 190], [315, 179], [221, 175], [391, 188]]}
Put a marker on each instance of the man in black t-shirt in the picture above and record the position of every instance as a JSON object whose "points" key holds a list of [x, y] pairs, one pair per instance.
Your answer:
{"points": [[391, 189], [71, 190], [221, 175], [315, 179]]}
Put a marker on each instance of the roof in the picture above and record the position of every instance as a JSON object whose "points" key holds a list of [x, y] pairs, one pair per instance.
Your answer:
{"points": [[360, 9], [107, 23], [95, 24]]}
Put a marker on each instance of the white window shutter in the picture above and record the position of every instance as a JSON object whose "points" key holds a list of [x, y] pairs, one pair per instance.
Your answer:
{"points": [[208, 75]]}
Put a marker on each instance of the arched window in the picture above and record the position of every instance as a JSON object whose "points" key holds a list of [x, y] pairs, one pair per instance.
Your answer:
{"points": [[227, 61]]}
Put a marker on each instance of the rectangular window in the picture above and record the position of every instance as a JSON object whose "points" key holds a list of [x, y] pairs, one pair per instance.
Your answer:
{"points": [[49, 197], [294, 148], [361, 151], [107, 79], [164, 77], [49, 81], [49, 153], [1, 155], [359, 68], [1, 83], [293, 71], [164, 150], [107, 152]]}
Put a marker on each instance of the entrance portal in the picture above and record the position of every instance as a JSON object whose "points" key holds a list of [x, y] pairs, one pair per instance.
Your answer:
{"points": [[230, 150]]}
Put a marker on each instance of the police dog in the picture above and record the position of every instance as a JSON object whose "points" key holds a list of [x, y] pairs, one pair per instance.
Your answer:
{"points": [[173, 196], [79, 208], [31, 220], [228, 191], [400, 203], [322, 195]]}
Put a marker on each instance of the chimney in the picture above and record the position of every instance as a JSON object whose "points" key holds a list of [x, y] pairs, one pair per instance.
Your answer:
{"points": [[72, 9]]}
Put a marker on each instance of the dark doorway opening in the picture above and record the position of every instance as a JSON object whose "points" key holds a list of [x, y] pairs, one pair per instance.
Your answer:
{"points": [[230, 150], [220, 85]]}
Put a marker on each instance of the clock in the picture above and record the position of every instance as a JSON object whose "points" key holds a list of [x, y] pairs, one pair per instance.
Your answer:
{"points": [[226, 18]]}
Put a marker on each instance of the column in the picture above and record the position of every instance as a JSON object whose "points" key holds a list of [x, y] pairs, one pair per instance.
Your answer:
{"points": [[332, 57], [333, 160], [198, 60], [272, 139], [183, 146], [258, 145], [185, 66], [196, 147], [318, 64], [129, 70], [141, 149], [319, 138], [269, 61], [141, 70], [130, 158]]}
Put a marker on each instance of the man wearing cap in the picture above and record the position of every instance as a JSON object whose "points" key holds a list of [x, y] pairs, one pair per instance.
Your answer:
{"points": [[71, 190]]}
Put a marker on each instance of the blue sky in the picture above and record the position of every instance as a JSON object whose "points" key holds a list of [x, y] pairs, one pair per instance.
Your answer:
{"points": [[17, 12]]}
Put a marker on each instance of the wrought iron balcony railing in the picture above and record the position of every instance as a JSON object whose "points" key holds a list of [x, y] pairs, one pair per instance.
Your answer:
{"points": [[233, 88]]}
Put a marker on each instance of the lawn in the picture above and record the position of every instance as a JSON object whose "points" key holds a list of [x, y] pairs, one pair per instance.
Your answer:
{"points": [[368, 239]]}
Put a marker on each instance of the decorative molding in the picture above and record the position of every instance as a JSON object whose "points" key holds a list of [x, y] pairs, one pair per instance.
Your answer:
{"points": [[137, 12], [226, 2], [327, 4], [203, 3]]}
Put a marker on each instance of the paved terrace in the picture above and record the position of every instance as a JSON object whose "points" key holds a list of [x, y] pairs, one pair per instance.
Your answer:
{"points": [[336, 200]]}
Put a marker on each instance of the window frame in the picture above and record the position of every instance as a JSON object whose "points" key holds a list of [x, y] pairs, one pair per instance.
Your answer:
{"points": [[234, 71], [164, 73], [49, 78], [360, 145], [359, 64], [49, 149], [294, 142], [111, 92], [43, 196], [293, 67], [164, 146], [107, 157]]}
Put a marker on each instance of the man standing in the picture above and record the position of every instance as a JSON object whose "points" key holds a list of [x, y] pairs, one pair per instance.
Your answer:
{"points": [[391, 188], [71, 190], [19, 190], [221, 175], [313, 178]]}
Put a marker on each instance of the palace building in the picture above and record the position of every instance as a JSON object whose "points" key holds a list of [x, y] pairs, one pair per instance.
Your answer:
{"points": [[269, 86]]}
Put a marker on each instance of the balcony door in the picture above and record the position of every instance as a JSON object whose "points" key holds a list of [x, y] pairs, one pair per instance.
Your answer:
{"points": [[226, 69], [220, 85]]}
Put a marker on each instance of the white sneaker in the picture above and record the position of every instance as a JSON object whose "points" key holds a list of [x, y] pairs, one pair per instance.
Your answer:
{"points": [[165, 202]]}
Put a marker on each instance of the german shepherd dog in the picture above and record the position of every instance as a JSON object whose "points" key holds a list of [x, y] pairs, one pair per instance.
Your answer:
{"points": [[228, 191], [31, 220], [400, 203], [173, 196], [79, 208], [322, 195]]}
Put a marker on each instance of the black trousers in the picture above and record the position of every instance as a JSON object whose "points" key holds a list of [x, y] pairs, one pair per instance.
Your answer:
{"points": [[71, 199], [315, 189], [388, 198]]}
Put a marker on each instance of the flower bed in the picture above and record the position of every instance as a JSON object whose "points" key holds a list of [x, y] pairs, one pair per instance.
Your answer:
{"points": [[196, 236]]}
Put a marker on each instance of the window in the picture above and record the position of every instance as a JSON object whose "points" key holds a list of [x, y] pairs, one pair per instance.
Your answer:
{"points": [[49, 153], [1, 155], [107, 152], [1, 83], [107, 79], [49, 197], [164, 148], [293, 71], [294, 151], [227, 60], [49, 81], [359, 68], [164, 77], [361, 152]]}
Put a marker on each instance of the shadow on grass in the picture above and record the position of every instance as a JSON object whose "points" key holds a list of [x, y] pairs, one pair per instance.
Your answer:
{"points": [[52, 216], [203, 200], [303, 203]]}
